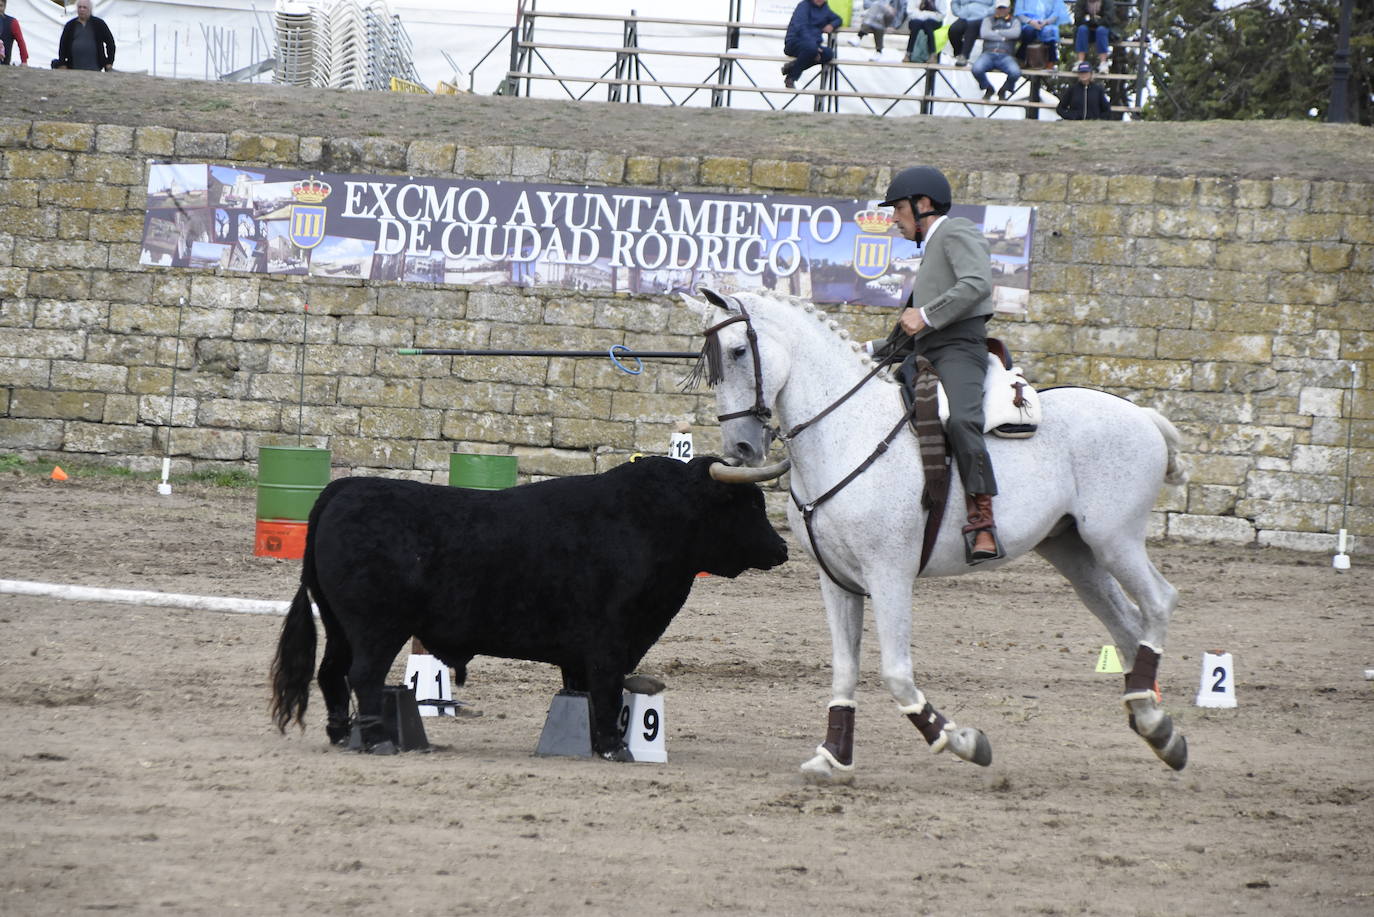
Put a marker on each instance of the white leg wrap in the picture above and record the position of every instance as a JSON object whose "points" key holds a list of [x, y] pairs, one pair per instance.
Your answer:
{"points": [[917, 707], [842, 702]]}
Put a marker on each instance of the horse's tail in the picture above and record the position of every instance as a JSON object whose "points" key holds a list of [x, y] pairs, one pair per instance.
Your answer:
{"points": [[1176, 472], [294, 662]]}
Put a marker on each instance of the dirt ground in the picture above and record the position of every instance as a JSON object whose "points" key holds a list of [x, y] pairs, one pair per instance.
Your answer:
{"points": [[141, 774], [1231, 149]]}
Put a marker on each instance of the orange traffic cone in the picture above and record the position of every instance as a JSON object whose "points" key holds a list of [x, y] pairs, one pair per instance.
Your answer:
{"points": [[58, 474]]}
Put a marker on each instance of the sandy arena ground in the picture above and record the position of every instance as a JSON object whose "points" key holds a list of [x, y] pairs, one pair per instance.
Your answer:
{"points": [[141, 774]]}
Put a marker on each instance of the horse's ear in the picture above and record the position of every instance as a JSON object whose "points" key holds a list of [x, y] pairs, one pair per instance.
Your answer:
{"points": [[705, 310], [714, 298]]}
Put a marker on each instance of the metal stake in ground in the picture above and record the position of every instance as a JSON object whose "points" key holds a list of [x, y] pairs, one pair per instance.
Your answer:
{"points": [[165, 488], [300, 401]]}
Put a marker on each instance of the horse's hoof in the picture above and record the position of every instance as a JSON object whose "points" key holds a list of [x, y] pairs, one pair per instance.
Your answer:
{"points": [[971, 745], [821, 771], [1175, 751]]}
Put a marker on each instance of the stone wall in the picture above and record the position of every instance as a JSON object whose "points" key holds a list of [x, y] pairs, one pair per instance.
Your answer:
{"points": [[1238, 307]]}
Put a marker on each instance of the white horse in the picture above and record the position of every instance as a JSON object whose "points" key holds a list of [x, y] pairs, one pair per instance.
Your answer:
{"points": [[1079, 492]]}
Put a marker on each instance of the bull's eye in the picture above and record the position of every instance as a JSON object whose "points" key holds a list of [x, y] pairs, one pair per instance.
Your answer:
{"points": [[737, 353]]}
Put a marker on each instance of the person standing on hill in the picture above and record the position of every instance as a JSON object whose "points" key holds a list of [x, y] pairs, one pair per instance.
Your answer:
{"points": [[86, 43], [11, 35], [812, 20], [1085, 100]]}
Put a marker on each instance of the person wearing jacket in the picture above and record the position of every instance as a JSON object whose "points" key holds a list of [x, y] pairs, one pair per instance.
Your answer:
{"points": [[812, 20], [879, 16], [964, 30], [86, 42], [1084, 100], [1042, 19], [1093, 21], [1000, 31], [926, 19], [945, 320], [11, 35]]}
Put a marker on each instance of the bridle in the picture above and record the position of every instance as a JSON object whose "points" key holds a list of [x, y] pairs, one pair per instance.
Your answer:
{"points": [[711, 356]]}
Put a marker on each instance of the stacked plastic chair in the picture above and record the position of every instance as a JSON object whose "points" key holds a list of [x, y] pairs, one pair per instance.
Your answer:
{"points": [[342, 44]]}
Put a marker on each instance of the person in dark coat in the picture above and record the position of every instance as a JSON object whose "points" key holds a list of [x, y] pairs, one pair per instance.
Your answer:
{"points": [[812, 20], [1085, 100], [86, 43]]}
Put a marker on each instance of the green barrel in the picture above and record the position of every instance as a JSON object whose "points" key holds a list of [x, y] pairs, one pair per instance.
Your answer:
{"points": [[481, 472], [289, 480]]}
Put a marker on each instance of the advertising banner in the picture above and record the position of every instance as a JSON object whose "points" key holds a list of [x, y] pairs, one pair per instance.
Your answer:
{"points": [[633, 240]]}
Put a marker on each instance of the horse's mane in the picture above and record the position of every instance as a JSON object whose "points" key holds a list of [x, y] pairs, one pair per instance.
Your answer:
{"points": [[808, 307]]}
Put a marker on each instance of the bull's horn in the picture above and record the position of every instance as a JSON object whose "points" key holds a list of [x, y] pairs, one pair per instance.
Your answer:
{"points": [[731, 475]]}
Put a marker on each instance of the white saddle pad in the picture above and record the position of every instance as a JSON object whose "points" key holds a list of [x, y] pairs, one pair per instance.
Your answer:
{"points": [[1011, 407]]}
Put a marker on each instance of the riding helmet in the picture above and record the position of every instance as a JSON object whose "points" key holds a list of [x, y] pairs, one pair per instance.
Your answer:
{"points": [[917, 181]]}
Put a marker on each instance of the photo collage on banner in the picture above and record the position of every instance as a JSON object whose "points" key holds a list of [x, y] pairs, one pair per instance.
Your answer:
{"points": [[634, 240]]}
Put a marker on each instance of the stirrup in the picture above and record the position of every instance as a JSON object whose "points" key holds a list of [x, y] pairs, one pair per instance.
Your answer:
{"points": [[968, 547]]}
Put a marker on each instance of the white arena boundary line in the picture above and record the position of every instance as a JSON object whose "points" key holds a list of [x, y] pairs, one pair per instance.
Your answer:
{"points": [[143, 597]]}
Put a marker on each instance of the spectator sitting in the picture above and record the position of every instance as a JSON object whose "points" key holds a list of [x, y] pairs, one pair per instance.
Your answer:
{"points": [[999, 34], [812, 20], [925, 20], [11, 35], [1084, 100], [1042, 19], [964, 30], [878, 17], [1094, 20], [86, 42]]}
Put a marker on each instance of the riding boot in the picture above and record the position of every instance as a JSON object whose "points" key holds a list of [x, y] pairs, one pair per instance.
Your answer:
{"points": [[983, 529]]}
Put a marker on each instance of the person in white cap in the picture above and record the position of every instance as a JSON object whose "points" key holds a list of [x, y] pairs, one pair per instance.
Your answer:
{"points": [[1000, 33]]}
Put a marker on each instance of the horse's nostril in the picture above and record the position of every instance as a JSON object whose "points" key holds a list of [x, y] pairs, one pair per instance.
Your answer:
{"points": [[744, 450]]}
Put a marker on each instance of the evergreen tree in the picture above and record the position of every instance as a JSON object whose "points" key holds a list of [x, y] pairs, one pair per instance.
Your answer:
{"points": [[1257, 59]]}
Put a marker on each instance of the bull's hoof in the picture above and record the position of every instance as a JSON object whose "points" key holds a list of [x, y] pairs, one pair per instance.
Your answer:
{"points": [[384, 747], [644, 684], [621, 754], [971, 745], [823, 770]]}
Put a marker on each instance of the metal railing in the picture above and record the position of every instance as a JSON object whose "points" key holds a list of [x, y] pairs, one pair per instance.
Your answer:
{"points": [[730, 55]]}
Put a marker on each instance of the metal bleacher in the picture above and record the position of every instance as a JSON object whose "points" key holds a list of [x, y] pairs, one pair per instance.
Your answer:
{"points": [[741, 63]]}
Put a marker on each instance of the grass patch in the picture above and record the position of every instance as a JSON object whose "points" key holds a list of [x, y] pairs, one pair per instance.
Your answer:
{"points": [[234, 478]]}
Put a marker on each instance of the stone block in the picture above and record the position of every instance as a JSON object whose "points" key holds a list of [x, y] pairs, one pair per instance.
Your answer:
{"points": [[376, 330], [320, 420], [1211, 500], [19, 433], [15, 131], [201, 144], [1232, 377], [250, 146], [1211, 529], [69, 314], [568, 166], [579, 403], [368, 390], [361, 452], [240, 414], [490, 162], [114, 138], [120, 409], [1208, 345], [155, 141], [430, 157], [726, 171], [588, 433], [84, 195], [1296, 487], [79, 436], [1039, 187], [1290, 192], [61, 135], [641, 170], [59, 284], [845, 181], [399, 423], [1331, 256], [459, 394], [1321, 402], [678, 172], [44, 344], [1113, 372], [286, 387], [1086, 189], [503, 305], [18, 193], [1131, 189], [605, 167], [114, 227], [60, 405], [652, 408], [206, 443], [1120, 341], [37, 164], [515, 430]]}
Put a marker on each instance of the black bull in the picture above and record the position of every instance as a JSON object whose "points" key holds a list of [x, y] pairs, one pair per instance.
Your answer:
{"points": [[581, 572]]}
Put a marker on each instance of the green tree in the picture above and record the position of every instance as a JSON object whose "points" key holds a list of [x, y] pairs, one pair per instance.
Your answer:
{"points": [[1256, 59]]}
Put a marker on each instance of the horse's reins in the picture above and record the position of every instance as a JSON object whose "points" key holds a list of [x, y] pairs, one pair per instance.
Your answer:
{"points": [[761, 411]]}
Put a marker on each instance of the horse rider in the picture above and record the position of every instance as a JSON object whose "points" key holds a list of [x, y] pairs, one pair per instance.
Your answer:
{"points": [[945, 321]]}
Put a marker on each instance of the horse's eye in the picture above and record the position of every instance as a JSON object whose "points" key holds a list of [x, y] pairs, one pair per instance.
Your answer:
{"points": [[737, 353]]}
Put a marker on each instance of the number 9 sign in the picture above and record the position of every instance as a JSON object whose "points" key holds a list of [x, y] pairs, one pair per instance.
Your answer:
{"points": [[642, 726]]}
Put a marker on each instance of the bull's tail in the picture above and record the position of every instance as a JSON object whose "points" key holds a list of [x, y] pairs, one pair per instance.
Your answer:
{"points": [[294, 663], [1176, 472]]}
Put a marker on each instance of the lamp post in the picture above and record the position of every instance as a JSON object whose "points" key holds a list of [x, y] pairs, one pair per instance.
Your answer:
{"points": [[1339, 110]]}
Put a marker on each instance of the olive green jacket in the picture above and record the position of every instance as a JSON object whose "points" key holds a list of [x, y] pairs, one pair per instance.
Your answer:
{"points": [[954, 283]]}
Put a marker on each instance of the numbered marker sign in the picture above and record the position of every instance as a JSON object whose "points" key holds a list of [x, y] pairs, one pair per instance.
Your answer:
{"points": [[428, 678], [1218, 688], [680, 447], [641, 724]]}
